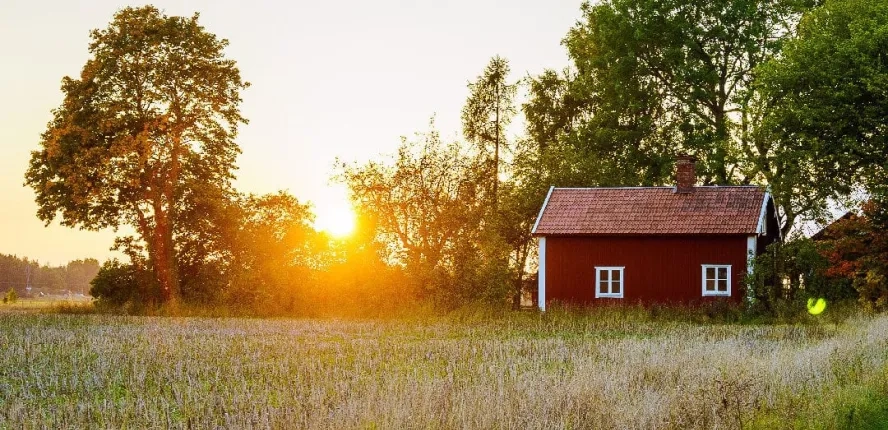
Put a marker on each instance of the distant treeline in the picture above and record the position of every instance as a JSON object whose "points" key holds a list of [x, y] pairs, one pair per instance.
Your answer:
{"points": [[19, 273]]}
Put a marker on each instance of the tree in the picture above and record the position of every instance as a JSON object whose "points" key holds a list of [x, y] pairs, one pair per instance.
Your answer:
{"points": [[119, 283], [155, 111], [79, 273], [825, 99], [275, 252], [487, 113], [653, 79], [255, 253], [11, 296], [428, 207], [857, 251]]}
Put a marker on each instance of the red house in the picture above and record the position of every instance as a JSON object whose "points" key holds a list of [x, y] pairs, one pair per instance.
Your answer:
{"points": [[682, 244]]}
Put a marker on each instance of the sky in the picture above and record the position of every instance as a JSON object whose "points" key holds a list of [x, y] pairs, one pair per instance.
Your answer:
{"points": [[329, 79]]}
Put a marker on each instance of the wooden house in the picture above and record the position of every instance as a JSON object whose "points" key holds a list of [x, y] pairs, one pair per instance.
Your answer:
{"points": [[680, 244]]}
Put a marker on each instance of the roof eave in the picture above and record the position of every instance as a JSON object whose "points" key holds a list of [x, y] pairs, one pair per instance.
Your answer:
{"points": [[760, 228], [533, 232]]}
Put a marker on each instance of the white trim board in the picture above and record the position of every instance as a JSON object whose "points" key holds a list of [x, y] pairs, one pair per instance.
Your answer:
{"points": [[751, 245], [760, 228], [541, 276], [540, 216]]}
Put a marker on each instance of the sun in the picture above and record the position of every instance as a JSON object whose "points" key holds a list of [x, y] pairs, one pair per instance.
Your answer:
{"points": [[334, 213]]}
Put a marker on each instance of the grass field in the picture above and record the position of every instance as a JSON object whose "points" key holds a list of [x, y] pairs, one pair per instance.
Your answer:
{"points": [[603, 369]]}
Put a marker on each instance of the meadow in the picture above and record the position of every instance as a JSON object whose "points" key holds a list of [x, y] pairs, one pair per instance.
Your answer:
{"points": [[602, 369]]}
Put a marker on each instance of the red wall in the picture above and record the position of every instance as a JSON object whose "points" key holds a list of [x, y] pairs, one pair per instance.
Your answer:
{"points": [[657, 269]]}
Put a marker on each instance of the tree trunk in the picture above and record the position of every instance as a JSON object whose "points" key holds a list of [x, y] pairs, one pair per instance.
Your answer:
{"points": [[720, 155], [516, 298], [787, 225], [167, 270], [165, 267], [521, 254], [496, 154]]}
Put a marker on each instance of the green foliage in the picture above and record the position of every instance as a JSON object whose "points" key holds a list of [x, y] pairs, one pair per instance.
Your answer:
{"points": [[432, 218], [246, 251], [654, 79], [788, 274], [11, 296], [154, 112], [274, 253], [668, 74], [119, 283], [827, 96], [487, 114]]}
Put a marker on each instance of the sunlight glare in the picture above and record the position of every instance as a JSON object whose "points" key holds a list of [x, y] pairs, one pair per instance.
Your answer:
{"points": [[334, 213]]}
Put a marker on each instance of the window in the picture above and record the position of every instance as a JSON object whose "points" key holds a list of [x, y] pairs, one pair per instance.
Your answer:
{"points": [[609, 282], [716, 280]]}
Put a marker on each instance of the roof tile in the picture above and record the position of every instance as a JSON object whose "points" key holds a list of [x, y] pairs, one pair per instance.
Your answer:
{"points": [[651, 211]]}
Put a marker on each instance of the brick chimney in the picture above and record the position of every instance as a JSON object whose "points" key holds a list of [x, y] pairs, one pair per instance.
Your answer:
{"points": [[685, 175]]}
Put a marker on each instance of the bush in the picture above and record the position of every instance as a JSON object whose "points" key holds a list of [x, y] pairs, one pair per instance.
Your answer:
{"points": [[11, 296], [857, 251], [789, 273], [118, 283]]}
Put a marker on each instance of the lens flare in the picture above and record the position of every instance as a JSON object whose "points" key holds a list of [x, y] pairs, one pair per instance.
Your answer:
{"points": [[816, 306]]}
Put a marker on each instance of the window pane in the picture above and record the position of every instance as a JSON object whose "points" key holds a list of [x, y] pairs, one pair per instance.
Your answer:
{"points": [[602, 287], [604, 274], [722, 273], [723, 285], [710, 272], [616, 275], [710, 285], [615, 288]]}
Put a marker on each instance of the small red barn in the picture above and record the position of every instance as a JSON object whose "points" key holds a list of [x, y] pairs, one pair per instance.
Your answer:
{"points": [[681, 244]]}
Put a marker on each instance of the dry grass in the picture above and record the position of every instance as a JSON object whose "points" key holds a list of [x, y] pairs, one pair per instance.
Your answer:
{"points": [[560, 370], [44, 304]]}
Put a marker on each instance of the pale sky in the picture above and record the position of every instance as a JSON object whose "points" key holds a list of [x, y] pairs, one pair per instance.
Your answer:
{"points": [[344, 78]]}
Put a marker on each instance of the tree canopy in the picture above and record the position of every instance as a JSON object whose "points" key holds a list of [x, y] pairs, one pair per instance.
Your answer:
{"points": [[154, 111], [826, 98], [654, 79]]}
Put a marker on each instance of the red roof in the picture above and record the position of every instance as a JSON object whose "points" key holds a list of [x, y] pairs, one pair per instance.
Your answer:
{"points": [[651, 211]]}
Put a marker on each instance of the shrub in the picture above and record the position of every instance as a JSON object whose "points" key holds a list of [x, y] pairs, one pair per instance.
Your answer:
{"points": [[789, 273], [118, 283], [857, 252], [11, 296]]}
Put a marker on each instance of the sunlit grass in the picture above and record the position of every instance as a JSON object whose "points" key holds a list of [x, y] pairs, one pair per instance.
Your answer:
{"points": [[518, 370], [45, 303]]}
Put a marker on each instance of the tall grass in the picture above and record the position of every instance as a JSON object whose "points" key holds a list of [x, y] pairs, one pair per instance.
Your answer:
{"points": [[605, 369]]}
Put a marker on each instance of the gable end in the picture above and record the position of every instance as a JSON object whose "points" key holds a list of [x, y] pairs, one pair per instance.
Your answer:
{"points": [[542, 209]]}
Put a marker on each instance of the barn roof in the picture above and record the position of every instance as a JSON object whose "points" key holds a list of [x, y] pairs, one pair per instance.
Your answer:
{"points": [[652, 211]]}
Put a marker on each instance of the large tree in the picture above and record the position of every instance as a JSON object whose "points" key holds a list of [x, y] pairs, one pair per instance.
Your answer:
{"points": [[487, 114], [825, 100], [154, 111], [651, 79], [428, 206]]}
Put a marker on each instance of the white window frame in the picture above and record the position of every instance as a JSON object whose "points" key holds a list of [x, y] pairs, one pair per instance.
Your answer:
{"points": [[703, 279], [609, 295]]}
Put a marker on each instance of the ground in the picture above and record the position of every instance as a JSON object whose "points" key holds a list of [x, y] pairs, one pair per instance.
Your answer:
{"points": [[600, 369]]}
